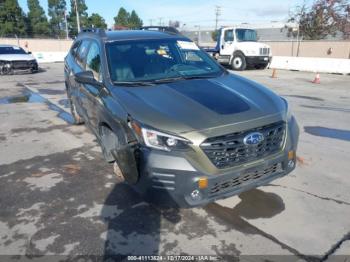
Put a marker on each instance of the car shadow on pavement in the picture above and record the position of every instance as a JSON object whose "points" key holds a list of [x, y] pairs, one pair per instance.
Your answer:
{"points": [[254, 204], [136, 228]]}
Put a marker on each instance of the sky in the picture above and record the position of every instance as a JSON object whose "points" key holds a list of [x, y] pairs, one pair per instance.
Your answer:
{"points": [[192, 12]]}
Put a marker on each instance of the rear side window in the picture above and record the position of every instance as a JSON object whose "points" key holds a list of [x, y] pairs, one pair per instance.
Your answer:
{"points": [[82, 51], [93, 61], [74, 48]]}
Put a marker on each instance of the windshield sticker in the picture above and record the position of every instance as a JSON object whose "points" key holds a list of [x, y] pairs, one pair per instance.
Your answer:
{"points": [[161, 52], [187, 45]]}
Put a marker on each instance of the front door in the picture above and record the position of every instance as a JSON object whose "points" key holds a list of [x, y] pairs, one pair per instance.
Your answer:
{"points": [[227, 42], [89, 93]]}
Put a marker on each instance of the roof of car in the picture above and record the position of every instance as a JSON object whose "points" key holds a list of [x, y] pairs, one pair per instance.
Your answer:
{"points": [[122, 35], [1, 45]]}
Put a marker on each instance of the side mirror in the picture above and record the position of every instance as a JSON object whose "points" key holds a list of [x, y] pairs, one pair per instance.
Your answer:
{"points": [[29, 53], [86, 77]]}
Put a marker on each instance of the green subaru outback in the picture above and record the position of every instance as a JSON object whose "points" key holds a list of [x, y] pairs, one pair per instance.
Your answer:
{"points": [[173, 121]]}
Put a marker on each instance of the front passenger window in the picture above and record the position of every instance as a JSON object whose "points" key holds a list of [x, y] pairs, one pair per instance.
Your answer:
{"points": [[93, 61]]}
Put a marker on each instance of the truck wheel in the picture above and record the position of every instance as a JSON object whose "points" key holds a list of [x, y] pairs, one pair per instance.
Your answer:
{"points": [[238, 62]]}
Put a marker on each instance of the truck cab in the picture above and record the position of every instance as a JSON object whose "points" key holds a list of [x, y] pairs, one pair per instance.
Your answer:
{"points": [[239, 48]]}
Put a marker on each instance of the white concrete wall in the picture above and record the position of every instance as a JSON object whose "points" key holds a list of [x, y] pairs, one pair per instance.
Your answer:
{"points": [[49, 57], [312, 64]]}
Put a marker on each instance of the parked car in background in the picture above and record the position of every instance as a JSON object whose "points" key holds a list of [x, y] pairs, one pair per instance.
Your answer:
{"points": [[239, 48], [173, 121], [14, 59]]}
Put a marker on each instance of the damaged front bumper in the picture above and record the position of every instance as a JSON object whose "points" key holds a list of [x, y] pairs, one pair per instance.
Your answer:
{"points": [[15, 67], [170, 176]]}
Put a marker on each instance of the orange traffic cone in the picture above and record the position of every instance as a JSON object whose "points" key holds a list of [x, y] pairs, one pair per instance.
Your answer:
{"points": [[317, 79], [274, 73]]}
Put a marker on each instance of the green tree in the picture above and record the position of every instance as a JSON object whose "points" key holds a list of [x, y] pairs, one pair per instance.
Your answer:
{"points": [[95, 20], [83, 15], [37, 19], [12, 19], [122, 19], [322, 19], [56, 11], [215, 35], [134, 20]]}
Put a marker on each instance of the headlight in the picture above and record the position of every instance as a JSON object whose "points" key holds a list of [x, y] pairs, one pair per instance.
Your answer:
{"points": [[162, 141], [251, 52]]}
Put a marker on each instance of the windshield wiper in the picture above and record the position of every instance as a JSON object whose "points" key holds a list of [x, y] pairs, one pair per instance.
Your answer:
{"points": [[167, 80], [133, 83], [198, 77]]}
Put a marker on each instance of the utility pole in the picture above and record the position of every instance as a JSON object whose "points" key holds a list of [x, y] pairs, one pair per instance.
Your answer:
{"points": [[65, 21], [199, 34], [150, 22], [217, 14], [160, 21], [77, 14]]}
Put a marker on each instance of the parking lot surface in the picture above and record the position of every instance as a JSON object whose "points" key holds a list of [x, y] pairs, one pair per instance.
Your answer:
{"points": [[58, 195]]}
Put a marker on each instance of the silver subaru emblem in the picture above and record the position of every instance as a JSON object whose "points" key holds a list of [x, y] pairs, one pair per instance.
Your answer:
{"points": [[253, 139]]}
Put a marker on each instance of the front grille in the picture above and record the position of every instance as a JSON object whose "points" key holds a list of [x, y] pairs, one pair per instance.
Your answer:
{"points": [[244, 179], [264, 51], [230, 150], [21, 64]]}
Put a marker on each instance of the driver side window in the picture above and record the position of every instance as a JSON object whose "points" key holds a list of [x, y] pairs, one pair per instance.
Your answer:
{"points": [[229, 36], [93, 61]]}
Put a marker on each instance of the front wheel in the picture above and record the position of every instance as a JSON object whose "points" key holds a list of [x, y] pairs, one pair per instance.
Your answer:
{"points": [[238, 62]]}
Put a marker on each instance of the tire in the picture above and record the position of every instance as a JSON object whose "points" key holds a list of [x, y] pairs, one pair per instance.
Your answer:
{"points": [[109, 141], [77, 119], [238, 62]]}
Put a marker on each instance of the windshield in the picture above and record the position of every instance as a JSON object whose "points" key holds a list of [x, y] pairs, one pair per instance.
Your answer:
{"points": [[9, 50], [152, 60], [246, 35]]}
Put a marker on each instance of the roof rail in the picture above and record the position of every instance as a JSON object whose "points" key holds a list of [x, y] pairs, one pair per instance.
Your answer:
{"points": [[99, 31], [165, 29]]}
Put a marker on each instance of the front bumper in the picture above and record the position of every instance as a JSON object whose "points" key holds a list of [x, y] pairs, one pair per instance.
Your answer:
{"points": [[12, 67], [170, 176], [258, 60]]}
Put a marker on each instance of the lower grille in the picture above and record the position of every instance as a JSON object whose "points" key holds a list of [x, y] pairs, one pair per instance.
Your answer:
{"points": [[245, 178], [23, 64], [230, 150]]}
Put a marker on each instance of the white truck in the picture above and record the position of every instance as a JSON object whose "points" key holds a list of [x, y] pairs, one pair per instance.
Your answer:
{"points": [[239, 48]]}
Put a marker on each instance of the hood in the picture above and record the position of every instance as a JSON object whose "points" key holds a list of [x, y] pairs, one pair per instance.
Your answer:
{"points": [[251, 48], [193, 105], [17, 57]]}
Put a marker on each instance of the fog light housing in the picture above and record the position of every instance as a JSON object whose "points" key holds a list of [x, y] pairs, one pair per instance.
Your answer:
{"points": [[196, 195], [291, 163]]}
